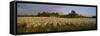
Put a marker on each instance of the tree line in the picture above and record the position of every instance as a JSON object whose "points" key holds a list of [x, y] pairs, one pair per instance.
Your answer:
{"points": [[73, 14]]}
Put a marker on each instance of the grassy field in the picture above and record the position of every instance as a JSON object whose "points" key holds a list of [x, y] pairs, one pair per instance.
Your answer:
{"points": [[48, 24]]}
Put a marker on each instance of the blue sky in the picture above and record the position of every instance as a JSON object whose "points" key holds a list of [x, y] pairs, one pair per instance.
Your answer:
{"points": [[33, 9]]}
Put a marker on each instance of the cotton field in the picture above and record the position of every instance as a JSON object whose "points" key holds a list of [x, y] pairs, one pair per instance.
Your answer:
{"points": [[49, 24]]}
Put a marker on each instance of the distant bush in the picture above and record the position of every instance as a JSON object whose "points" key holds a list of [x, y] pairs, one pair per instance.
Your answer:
{"points": [[93, 16], [47, 14], [73, 14]]}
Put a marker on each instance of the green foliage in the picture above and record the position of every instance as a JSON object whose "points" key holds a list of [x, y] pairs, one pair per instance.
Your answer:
{"points": [[93, 16], [73, 14], [47, 14]]}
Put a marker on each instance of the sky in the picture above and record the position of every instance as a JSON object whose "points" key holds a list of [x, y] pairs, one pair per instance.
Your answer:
{"points": [[33, 9]]}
